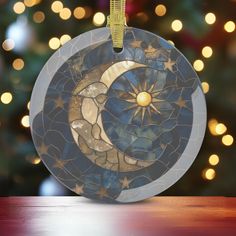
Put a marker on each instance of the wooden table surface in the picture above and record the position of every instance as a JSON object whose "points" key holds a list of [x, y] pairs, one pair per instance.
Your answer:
{"points": [[77, 216]]}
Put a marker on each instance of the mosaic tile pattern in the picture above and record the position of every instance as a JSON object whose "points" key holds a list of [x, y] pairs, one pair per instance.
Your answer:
{"points": [[95, 134]]}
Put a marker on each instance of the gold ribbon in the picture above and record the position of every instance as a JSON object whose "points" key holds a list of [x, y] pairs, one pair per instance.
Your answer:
{"points": [[117, 22]]}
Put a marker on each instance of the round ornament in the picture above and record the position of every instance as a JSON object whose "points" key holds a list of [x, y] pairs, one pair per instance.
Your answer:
{"points": [[122, 126]]}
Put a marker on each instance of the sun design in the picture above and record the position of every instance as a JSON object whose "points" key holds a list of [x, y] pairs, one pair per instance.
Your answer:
{"points": [[143, 100]]}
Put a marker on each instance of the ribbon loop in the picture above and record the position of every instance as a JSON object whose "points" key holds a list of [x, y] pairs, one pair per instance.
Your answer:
{"points": [[117, 22]]}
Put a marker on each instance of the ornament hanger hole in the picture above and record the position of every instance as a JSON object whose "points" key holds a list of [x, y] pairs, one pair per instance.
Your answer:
{"points": [[118, 50]]}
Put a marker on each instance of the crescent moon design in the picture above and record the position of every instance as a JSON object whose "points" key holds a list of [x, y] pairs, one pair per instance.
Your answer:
{"points": [[87, 128]]}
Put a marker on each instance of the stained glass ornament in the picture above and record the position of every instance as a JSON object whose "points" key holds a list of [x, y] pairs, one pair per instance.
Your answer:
{"points": [[118, 127]]}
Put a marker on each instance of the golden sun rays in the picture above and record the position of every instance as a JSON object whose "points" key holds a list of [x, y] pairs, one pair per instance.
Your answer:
{"points": [[143, 100]]}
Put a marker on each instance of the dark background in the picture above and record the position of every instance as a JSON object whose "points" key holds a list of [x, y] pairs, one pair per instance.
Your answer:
{"points": [[22, 172]]}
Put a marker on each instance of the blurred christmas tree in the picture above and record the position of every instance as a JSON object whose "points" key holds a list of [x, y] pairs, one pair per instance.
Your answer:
{"points": [[204, 31]]}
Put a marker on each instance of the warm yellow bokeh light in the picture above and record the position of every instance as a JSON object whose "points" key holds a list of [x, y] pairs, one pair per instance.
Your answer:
{"points": [[29, 3], [144, 99], [229, 26], [28, 105], [209, 174], [212, 123], [205, 87], [19, 7], [207, 52], [160, 10], [65, 13], [39, 17], [227, 140], [210, 18], [54, 43], [79, 13], [57, 6], [8, 44], [171, 42], [198, 65], [18, 64], [214, 160], [36, 161], [65, 38], [177, 25], [25, 121], [220, 128], [99, 19], [6, 98]]}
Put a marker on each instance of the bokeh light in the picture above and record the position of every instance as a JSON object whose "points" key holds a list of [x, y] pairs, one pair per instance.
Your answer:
{"points": [[214, 160], [227, 140], [18, 64], [65, 38], [205, 87], [35, 160], [198, 65], [209, 174], [220, 128], [19, 7], [28, 105], [30, 3], [79, 13], [99, 19], [210, 18], [54, 43], [6, 98], [38, 17], [171, 42], [177, 25], [207, 52], [142, 16], [8, 44], [160, 10], [57, 6], [25, 121], [65, 13], [229, 26], [212, 123]]}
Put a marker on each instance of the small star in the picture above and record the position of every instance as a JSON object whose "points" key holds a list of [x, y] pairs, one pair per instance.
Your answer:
{"points": [[79, 189], [125, 182], [60, 164], [59, 102], [181, 103], [136, 44], [152, 52], [102, 192], [43, 149], [163, 146], [169, 65]]}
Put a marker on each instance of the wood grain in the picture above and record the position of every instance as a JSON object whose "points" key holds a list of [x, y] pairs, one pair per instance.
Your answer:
{"points": [[75, 216]]}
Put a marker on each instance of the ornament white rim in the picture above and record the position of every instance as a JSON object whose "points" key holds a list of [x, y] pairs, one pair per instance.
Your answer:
{"points": [[197, 133]]}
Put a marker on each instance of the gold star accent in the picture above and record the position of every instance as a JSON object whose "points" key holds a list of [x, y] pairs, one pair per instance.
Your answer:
{"points": [[125, 182], [60, 164], [169, 65], [102, 192], [152, 52], [136, 44], [43, 149], [79, 189], [181, 103], [163, 146], [59, 102]]}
